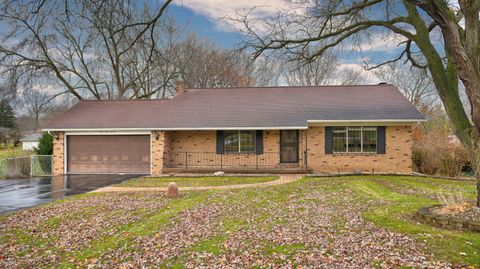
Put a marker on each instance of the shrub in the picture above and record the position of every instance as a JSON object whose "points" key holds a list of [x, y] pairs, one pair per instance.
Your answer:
{"points": [[439, 154], [45, 147], [15, 136]]}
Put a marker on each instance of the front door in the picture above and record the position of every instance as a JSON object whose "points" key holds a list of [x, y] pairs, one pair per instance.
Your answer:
{"points": [[289, 146]]}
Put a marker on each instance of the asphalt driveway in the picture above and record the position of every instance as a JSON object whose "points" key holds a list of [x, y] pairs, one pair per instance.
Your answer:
{"points": [[16, 194]]}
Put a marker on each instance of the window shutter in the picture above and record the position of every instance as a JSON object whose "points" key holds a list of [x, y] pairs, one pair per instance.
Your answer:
{"points": [[328, 140], [381, 147], [259, 141], [220, 142]]}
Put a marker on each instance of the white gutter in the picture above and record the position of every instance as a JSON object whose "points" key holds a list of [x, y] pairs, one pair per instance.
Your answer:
{"points": [[385, 120], [106, 130]]}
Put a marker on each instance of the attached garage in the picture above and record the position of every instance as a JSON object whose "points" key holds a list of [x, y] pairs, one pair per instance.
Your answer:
{"points": [[94, 154]]}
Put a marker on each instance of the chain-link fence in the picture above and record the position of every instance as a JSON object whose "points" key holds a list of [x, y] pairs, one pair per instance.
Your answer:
{"points": [[30, 166], [41, 165]]}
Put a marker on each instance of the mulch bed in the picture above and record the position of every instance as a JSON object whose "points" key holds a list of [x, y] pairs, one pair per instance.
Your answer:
{"points": [[465, 220], [471, 214]]}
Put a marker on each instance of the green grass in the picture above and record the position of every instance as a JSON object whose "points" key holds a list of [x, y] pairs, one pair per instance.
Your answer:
{"points": [[192, 181], [127, 233], [10, 152], [386, 205], [441, 186], [397, 216], [212, 245]]}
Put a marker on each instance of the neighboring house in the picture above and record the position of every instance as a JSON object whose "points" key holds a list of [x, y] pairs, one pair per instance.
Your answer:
{"points": [[30, 142], [325, 129]]}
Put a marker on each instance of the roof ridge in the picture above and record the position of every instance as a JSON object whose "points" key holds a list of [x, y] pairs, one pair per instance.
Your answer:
{"points": [[125, 100], [286, 87]]}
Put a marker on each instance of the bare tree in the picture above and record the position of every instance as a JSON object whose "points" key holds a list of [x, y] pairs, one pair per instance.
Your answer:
{"points": [[319, 72], [350, 76], [111, 50], [416, 84], [437, 35], [8, 87], [324, 70], [203, 65], [35, 103], [266, 71], [94, 49]]}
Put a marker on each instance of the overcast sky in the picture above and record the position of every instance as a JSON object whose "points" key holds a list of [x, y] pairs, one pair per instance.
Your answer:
{"points": [[204, 17]]}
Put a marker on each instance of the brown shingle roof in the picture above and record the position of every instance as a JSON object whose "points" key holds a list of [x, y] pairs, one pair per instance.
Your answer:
{"points": [[244, 107]]}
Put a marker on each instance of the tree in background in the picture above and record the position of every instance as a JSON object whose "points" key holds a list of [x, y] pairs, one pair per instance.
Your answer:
{"points": [[7, 123], [201, 64], [92, 49], [14, 136], [416, 84], [325, 70], [438, 35], [8, 86], [35, 103], [111, 50], [7, 115]]}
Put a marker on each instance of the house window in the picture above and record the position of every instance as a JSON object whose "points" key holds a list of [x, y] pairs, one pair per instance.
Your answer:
{"points": [[239, 141], [354, 139]]}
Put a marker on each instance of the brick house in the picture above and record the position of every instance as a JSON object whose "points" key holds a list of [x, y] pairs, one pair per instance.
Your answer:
{"points": [[325, 129]]}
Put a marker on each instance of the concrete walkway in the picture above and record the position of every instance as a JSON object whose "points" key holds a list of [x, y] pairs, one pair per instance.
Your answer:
{"points": [[283, 179]]}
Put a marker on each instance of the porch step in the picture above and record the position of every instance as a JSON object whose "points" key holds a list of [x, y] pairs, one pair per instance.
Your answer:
{"points": [[286, 170]]}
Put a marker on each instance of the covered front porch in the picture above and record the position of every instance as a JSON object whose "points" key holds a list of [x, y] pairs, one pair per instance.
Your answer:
{"points": [[236, 151]]}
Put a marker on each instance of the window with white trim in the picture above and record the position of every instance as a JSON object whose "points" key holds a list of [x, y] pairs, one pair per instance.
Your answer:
{"points": [[354, 139], [242, 141]]}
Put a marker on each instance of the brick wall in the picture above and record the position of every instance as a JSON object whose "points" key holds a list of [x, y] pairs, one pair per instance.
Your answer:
{"points": [[58, 155], [202, 146], [170, 147], [398, 157], [159, 151]]}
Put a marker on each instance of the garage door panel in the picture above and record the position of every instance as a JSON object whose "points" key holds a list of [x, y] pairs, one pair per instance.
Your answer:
{"points": [[108, 154]]}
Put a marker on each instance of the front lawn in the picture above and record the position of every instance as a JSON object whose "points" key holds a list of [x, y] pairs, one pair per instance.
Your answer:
{"points": [[193, 181], [341, 222]]}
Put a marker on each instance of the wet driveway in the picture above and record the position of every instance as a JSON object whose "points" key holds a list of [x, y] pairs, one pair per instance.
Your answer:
{"points": [[16, 194]]}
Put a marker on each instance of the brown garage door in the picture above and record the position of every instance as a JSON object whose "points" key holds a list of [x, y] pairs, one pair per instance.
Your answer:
{"points": [[108, 154]]}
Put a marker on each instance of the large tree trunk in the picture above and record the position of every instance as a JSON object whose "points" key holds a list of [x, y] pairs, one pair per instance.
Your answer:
{"points": [[478, 189], [476, 166], [462, 49]]}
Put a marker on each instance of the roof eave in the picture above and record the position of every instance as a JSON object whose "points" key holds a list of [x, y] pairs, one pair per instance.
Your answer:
{"points": [[170, 129], [369, 122]]}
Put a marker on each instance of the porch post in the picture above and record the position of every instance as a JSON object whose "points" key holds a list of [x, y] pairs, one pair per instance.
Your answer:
{"points": [[158, 147], [305, 154]]}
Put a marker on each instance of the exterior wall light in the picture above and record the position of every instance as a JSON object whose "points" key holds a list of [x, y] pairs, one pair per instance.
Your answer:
{"points": [[56, 135]]}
